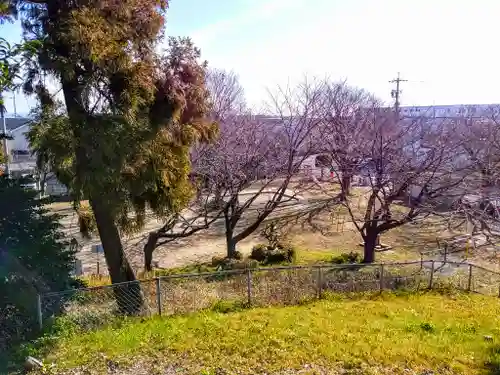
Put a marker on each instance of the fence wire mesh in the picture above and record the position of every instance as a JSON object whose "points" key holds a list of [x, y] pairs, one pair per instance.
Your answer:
{"points": [[92, 307], [289, 285], [485, 281], [410, 276], [182, 294], [452, 275]]}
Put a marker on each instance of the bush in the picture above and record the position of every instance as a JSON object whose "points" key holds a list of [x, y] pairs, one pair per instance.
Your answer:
{"points": [[347, 258], [217, 261], [290, 252], [266, 254], [237, 255], [276, 256], [427, 327], [259, 252]]}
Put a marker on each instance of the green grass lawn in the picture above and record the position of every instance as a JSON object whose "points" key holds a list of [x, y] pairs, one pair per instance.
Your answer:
{"points": [[378, 334]]}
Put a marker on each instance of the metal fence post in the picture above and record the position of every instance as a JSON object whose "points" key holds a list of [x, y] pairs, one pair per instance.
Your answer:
{"points": [[158, 294], [469, 283], [431, 280], [320, 282], [249, 286], [381, 277], [39, 310]]}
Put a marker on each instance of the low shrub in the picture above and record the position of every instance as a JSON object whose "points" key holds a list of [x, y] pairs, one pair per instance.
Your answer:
{"points": [[217, 261], [266, 254], [347, 258], [235, 264], [259, 252], [427, 327], [275, 256], [290, 252]]}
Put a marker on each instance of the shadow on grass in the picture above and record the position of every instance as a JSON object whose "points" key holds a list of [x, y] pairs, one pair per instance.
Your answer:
{"points": [[12, 360], [25, 335], [41, 344], [492, 365]]}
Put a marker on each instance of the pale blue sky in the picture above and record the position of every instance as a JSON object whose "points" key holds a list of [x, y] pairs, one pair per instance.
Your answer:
{"points": [[450, 45]]}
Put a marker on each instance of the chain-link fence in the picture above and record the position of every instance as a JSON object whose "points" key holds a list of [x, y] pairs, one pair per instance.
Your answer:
{"points": [[92, 307]]}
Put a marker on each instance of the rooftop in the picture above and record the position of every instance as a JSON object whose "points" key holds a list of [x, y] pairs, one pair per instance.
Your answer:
{"points": [[12, 123]]}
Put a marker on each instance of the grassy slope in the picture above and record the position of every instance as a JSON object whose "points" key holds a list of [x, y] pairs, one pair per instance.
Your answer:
{"points": [[387, 333]]}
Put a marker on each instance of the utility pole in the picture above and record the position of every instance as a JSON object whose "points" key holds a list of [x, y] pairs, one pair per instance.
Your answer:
{"points": [[14, 102], [396, 93]]}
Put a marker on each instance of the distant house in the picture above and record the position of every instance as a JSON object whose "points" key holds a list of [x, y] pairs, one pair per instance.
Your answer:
{"points": [[22, 163]]}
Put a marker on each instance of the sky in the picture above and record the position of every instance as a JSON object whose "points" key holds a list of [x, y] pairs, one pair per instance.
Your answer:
{"points": [[446, 49]]}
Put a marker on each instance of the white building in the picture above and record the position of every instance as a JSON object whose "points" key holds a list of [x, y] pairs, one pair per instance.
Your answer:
{"points": [[22, 162], [447, 111], [317, 165]]}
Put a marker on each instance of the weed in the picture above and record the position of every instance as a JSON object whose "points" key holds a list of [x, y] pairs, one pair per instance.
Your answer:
{"points": [[347, 258], [427, 327]]}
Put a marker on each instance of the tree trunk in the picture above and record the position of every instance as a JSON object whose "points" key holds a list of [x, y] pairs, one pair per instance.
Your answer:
{"points": [[230, 242], [231, 247], [218, 197], [128, 296], [370, 241], [346, 179], [43, 182], [149, 248]]}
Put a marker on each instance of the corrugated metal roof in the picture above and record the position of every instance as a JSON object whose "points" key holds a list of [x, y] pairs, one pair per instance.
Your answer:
{"points": [[13, 123]]}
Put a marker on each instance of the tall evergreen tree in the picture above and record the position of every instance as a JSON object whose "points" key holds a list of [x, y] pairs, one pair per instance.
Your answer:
{"points": [[131, 114], [8, 72], [34, 258]]}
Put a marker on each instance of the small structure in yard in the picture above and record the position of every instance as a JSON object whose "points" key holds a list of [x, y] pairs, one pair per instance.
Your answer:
{"points": [[318, 166]]}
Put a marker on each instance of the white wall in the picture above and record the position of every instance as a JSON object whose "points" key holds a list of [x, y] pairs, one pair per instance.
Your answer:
{"points": [[308, 169], [54, 187], [20, 142], [445, 110]]}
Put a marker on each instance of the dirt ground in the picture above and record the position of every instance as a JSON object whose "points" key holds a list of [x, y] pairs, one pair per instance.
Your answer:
{"points": [[336, 234], [201, 247], [197, 248]]}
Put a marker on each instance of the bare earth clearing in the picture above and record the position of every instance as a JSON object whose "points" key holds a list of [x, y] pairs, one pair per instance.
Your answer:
{"points": [[338, 235], [197, 248]]}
